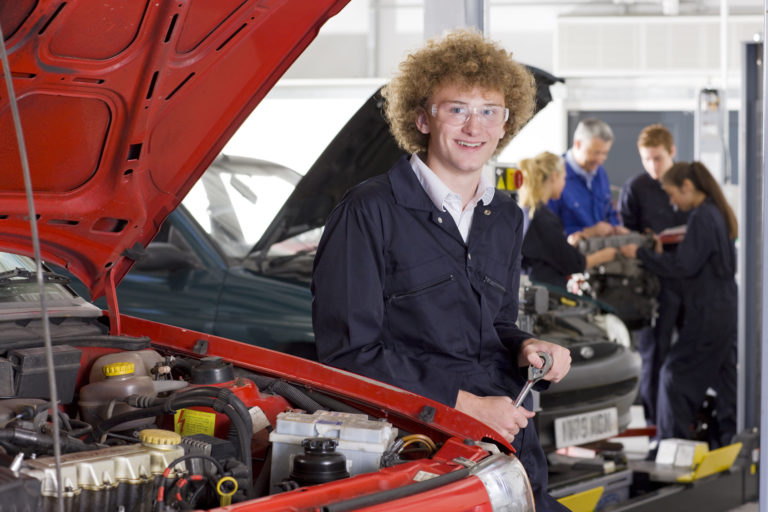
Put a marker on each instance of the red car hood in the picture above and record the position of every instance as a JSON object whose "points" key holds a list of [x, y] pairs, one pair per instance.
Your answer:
{"points": [[123, 106]]}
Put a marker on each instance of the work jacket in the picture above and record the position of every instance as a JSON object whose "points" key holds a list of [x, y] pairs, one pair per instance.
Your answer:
{"points": [[643, 204], [706, 262], [547, 255], [399, 297], [579, 206]]}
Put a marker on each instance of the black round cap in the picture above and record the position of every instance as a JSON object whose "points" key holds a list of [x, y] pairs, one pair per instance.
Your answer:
{"points": [[212, 370], [320, 462]]}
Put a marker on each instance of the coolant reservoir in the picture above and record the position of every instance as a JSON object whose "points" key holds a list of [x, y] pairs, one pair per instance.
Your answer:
{"points": [[143, 362], [102, 399]]}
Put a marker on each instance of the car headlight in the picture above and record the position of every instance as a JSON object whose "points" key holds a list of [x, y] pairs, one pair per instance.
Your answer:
{"points": [[615, 329], [506, 482]]}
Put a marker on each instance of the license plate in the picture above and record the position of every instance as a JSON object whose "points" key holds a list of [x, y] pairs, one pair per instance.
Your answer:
{"points": [[587, 427]]}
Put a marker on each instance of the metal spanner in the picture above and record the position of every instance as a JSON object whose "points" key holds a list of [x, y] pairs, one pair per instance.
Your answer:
{"points": [[534, 376]]}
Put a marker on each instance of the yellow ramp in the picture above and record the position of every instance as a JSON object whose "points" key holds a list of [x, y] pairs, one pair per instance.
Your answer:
{"points": [[584, 501], [714, 462]]}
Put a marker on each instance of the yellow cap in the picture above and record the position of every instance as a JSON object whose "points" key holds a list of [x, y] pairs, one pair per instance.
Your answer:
{"points": [[159, 437], [114, 369]]}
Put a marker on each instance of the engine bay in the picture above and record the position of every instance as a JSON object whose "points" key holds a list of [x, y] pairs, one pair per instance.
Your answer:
{"points": [[146, 429]]}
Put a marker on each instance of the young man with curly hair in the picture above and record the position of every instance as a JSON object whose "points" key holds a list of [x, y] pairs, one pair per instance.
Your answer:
{"points": [[416, 277]]}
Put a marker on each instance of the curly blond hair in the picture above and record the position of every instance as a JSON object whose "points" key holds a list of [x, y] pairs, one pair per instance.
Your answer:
{"points": [[462, 57], [536, 172]]}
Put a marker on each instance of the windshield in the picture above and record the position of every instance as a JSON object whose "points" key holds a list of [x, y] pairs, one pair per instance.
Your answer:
{"points": [[237, 198], [20, 293], [18, 282]]}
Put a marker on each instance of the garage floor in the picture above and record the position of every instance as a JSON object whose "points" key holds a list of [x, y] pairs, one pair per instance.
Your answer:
{"points": [[747, 507]]}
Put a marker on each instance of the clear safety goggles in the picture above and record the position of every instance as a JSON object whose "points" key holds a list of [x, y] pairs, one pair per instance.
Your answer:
{"points": [[458, 114]]}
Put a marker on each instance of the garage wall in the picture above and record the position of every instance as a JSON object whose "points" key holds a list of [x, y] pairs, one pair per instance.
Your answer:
{"points": [[615, 57]]}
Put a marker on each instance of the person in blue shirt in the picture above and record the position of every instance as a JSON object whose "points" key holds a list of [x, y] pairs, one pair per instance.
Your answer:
{"points": [[644, 206], [704, 355], [416, 277], [586, 205], [547, 255]]}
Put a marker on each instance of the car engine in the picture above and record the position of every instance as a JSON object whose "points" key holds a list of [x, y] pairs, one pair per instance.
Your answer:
{"points": [[623, 284], [141, 430]]}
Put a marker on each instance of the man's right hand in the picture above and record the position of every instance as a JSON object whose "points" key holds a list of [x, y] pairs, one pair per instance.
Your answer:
{"points": [[498, 412]]}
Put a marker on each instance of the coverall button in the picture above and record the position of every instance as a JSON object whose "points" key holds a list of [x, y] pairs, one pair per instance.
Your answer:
{"points": [[439, 220], [469, 256], [486, 212]]}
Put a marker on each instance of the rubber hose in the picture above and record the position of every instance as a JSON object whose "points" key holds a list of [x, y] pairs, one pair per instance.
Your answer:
{"points": [[294, 395]]}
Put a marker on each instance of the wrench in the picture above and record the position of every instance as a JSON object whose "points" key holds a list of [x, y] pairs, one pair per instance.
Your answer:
{"points": [[534, 376]]}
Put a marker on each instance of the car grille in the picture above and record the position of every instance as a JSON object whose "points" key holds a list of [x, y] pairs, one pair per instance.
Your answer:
{"points": [[583, 396]]}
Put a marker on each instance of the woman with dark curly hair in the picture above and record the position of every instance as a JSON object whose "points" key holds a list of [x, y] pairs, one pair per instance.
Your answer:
{"points": [[416, 277], [704, 355]]}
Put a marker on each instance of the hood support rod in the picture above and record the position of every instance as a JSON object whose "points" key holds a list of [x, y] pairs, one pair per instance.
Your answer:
{"points": [[110, 293]]}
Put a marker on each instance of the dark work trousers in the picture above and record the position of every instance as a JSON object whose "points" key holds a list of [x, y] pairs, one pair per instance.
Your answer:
{"points": [[653, 345], [703, 357]]}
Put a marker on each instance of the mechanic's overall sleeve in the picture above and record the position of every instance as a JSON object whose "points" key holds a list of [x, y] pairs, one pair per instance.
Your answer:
{"points": [[610, 213], [692, 253], [348, 306], [603, 194], [546, 242]]}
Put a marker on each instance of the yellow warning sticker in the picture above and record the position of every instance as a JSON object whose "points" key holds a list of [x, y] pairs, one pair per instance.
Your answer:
{"points": [[509, 178], [188, 422]]}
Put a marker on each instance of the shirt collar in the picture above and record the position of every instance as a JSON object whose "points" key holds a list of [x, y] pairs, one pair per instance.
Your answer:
{"points": [[439, 192], [588, 176]]}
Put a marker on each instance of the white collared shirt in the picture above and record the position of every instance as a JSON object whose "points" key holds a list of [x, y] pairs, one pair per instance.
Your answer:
{"points": [[449, 201]]}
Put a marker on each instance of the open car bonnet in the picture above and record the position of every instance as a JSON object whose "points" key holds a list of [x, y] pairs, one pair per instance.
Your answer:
{"points": [[123, 106]]}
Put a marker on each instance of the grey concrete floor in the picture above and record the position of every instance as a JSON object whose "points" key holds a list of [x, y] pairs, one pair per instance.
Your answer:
{"points": [[747, 507]]}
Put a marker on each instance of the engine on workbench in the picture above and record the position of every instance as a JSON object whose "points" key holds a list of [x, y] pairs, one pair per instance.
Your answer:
{"points": [[623, 284]]}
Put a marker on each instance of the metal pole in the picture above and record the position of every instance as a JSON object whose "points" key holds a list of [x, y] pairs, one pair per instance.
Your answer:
{"points": [[763, 473], [726, 159], [750, 175]]}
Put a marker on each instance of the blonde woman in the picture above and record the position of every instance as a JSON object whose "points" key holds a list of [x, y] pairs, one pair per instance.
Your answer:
{"points": [[547, 255]]}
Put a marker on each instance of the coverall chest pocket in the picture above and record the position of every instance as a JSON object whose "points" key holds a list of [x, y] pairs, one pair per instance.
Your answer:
{"points": [[494, 292], [493, 282], [423, 308]]}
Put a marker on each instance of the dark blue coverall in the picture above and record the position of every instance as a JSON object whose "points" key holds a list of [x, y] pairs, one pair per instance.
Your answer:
{"points": [[705, 353], [399, 297], [580, 206], [644, 205], [547, 255]]}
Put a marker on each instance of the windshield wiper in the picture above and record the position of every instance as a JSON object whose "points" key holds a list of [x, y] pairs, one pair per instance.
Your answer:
{"points": [[22, 275]]}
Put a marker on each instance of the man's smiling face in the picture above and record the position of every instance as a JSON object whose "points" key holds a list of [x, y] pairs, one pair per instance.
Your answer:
{"points": [[461, 148]]}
